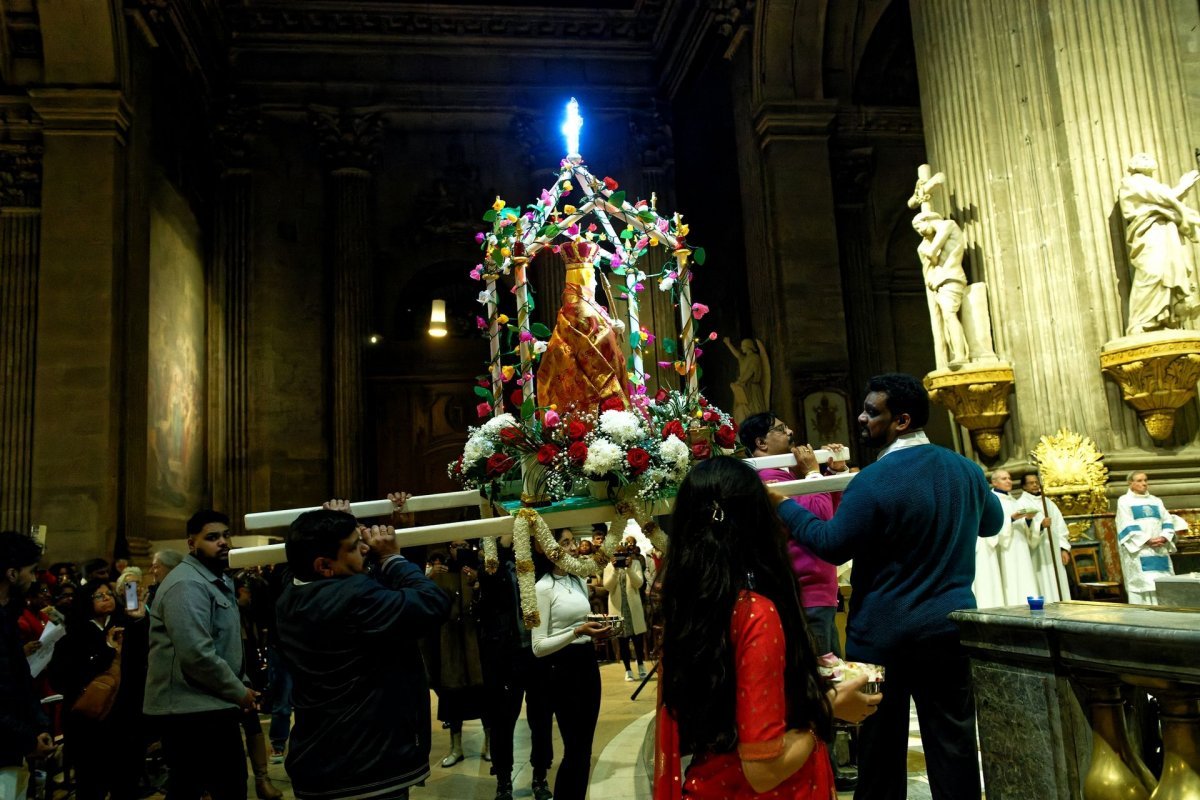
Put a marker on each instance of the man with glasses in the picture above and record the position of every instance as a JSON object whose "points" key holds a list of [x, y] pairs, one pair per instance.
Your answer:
{"points": [[196, 684]]}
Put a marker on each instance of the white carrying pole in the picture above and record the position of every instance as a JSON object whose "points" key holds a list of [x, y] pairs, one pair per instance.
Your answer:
{"points": [[502, 526], [367, 508]]}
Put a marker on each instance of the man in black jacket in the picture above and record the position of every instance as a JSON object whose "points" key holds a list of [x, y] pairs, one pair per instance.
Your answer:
{"points": [[349, 639], [24, 730]]}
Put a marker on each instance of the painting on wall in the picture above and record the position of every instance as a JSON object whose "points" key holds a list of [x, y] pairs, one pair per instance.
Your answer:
{"points": [[175, 390], [826, 419]]}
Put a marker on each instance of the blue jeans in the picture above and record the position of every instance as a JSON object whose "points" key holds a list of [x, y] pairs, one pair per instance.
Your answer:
{"points": [[281, 699]]}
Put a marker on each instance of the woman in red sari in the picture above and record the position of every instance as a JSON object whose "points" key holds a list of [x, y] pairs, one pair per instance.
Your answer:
{"points": [[740, 686]]}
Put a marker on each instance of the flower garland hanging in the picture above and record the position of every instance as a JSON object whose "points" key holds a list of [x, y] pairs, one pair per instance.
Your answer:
{"points": [[526, 580]]}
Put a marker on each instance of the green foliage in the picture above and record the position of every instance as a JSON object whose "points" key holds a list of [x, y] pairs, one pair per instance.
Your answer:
{"points": [[617, 198], [698, 255], [527, 408], [539, 330], [485, 393], [668, 346], [489, 215]]}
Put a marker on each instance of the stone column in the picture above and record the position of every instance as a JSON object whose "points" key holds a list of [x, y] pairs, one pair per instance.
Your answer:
{"points": [[1031, 110], [20, 234], [77, 425], [799, 263], [231, 389], [852, 178], [350, 143]]}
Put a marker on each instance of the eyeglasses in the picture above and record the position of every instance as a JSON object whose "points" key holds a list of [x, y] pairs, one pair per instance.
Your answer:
{"points": [[780, 428], [103, 596]]}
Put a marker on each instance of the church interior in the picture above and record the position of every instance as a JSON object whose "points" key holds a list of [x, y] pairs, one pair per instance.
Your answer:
{"points": [[224, 226]]}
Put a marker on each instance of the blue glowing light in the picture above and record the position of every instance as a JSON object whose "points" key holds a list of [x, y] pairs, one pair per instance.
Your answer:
{"points": [[571, 127]]}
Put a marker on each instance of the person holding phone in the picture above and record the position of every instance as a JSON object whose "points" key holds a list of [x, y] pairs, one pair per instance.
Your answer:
{"points": [[107, 753]]}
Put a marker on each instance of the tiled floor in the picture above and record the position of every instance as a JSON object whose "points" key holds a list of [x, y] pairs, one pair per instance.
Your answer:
{"points": [[617, 772]]}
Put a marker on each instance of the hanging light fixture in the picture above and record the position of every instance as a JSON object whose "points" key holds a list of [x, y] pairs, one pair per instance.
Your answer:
{"points": [[437, 319]]}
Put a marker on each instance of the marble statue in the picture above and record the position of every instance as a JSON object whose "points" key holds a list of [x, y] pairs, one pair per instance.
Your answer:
{"points": [[941, 251], [752, 388], [1164, 290]]}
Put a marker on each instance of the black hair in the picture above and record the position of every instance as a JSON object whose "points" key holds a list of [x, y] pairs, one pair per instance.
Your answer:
{"points": [[726, 538], [205, 516], [541, 564], [755, 427], [905, 395], [316, 534], [95, 564], [81, 610], [17, 551]]}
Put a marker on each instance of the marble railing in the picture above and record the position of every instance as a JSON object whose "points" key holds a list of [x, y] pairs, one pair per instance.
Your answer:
{"points": [[1054, 691]]}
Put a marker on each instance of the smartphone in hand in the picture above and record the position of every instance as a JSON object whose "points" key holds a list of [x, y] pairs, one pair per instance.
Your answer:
{"points": [[131, 596]]}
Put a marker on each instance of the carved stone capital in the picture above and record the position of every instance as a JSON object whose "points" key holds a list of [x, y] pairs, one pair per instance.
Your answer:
{"points": [[234, 129], [789, 120], [1157, 373], [20, 175], [348, 138], [978, 399]]}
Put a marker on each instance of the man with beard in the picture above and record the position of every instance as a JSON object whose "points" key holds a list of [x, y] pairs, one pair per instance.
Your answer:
{"points": [[196, 684], [909, 521]]}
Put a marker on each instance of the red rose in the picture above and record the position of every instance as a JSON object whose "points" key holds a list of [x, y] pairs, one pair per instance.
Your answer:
{"points": [[674, 427], [517, 397], [610, 184], [701, 450], [638, 459], [577, 452], [660, 396], [711, 416], [458, 466], [613, 403], [576, 429], [546, 453], [510, 435], [703, 402], [726, 436], [498, 464]]}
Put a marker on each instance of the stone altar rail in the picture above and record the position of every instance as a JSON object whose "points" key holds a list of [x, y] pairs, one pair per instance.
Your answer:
{"points": [[1052, 689]]}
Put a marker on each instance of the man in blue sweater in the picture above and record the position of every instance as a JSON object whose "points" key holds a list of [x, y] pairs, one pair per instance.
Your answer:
{"points": [[909, 521]]}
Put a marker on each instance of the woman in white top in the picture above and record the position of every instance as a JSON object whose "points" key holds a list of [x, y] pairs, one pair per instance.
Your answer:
{"points": [[562, 641]]}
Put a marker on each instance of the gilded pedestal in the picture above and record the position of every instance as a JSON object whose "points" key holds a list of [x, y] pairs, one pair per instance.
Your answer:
{"points": [[1157, 373], [977, 396]]}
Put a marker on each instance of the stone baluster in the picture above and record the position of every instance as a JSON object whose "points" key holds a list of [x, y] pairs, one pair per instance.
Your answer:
{"points": [[1115, 770], [350, 144], [1179, 716], [20, 231]]}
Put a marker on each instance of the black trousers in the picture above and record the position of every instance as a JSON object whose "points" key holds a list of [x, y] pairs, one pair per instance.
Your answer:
{"points": [[574, 680], [507, 686], [204, 753], [624, 641], [937, 676]]}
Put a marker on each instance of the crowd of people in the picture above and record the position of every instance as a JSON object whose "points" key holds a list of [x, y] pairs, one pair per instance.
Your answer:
{"points": [[342, 645]]}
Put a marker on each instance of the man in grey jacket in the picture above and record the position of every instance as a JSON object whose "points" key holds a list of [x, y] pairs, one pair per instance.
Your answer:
{"points": [[196, 685]]}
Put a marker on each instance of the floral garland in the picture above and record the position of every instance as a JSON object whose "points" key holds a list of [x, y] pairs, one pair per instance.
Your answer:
{"points": [[523, 551]]}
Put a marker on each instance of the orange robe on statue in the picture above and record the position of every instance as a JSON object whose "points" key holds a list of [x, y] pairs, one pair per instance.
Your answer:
{"points": [[583, 363]]}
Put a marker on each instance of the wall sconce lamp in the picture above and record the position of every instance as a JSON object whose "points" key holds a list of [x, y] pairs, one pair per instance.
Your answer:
{"points": [[437, 319]]}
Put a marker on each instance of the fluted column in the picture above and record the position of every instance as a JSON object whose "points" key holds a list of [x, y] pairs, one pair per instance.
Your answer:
{"points": [[231, 398], [79, 401], [349, 142], [852, 174], [1031, 110], [20, 231]]}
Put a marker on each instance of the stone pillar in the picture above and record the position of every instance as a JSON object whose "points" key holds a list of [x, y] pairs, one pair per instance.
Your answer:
{"points": [[20, 233], [1031, 110], [77, 425], [231, 465], [852, 178], [792, 248], [350, 144]]}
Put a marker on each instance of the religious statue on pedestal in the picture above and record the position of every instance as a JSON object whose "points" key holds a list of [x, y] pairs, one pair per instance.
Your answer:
{"points": [[941, 251], [1164, 290], [752, 388], [583, 364]]}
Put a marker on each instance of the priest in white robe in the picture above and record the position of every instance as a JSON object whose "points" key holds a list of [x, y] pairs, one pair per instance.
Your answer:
{"points": [[1016, 566], [1050, 548], [1145, 540]]}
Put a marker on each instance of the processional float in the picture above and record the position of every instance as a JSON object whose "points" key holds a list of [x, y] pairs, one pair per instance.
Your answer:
{"points": [[593, 445]]}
